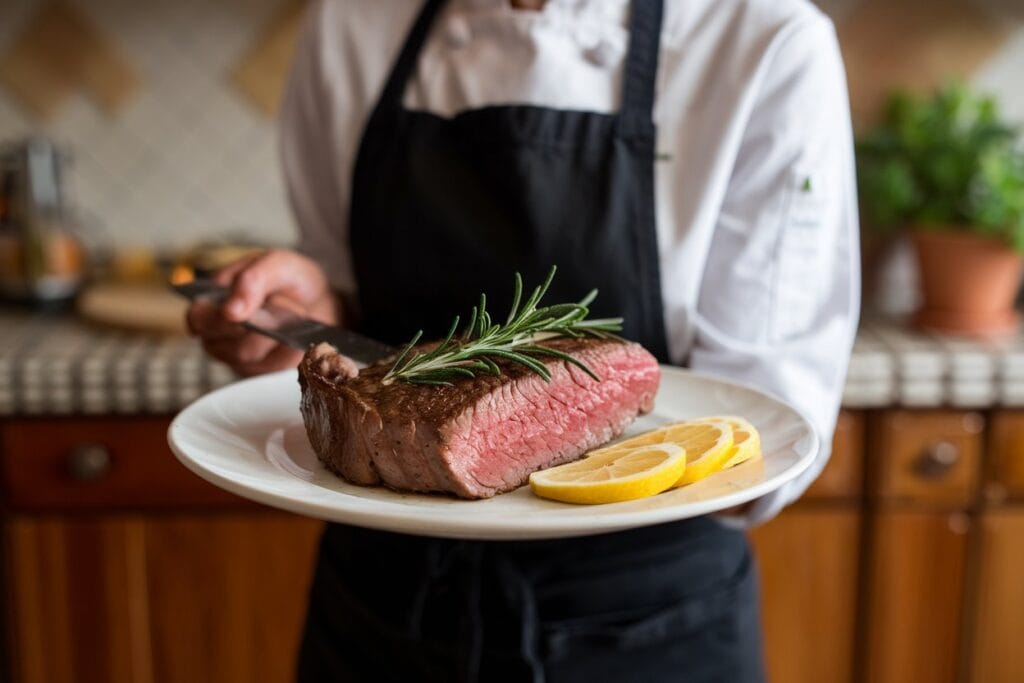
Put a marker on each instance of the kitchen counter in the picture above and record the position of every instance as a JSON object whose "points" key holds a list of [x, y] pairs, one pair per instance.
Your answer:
{"points": [[60, 365], [893, 365], [924, 488]]}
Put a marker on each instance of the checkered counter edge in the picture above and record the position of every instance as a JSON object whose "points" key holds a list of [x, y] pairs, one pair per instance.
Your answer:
{"points": [[58, 365], [53, 365]]}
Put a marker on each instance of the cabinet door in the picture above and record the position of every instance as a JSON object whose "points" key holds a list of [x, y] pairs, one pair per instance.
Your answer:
{"points": [[99, 464], [76, 601], [999, 617], [1005, 466], [138, 599], [808, 563], [927, 458], [915, 596], [843, 477], [227, 596]]}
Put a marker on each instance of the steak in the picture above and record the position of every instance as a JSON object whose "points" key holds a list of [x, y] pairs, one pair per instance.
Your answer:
{"points": [[480, 436]]}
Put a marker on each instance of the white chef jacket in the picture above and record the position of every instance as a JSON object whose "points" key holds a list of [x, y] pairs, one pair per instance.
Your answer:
{"points": [[755, 190]]}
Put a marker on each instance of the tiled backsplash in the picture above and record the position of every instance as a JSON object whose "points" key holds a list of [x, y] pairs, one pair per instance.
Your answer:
{"points": [[189, 157]]}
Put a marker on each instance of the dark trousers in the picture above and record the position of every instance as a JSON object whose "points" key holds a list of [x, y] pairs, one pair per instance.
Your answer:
{"points": [[676, 602]]}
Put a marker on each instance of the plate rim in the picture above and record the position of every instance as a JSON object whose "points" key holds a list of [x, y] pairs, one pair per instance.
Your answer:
{"points": [[487, 527]]}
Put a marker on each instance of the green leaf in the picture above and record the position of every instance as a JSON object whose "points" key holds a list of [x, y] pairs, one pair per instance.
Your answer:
{"points": [[516, 294], [946, 158], [405, 351]]}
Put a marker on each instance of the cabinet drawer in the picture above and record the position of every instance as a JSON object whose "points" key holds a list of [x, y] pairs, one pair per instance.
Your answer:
{"points": [[98, 463], [1004, 477], [930, 457], [843, 477]]}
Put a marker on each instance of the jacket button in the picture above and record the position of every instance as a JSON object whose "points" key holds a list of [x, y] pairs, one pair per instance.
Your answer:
{"points": [[602, 54], [457, 32]]}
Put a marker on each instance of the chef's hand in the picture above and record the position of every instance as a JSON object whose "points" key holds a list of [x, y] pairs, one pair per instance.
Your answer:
{"points": [[287, 279]]}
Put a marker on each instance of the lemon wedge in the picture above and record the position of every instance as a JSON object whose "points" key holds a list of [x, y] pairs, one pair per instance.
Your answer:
{"points": [[614, 476], [744, 436], [708, 445]]}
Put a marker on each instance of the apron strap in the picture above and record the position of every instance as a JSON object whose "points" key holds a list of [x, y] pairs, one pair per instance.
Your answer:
{"points": [[641, 70], [407, 58]]}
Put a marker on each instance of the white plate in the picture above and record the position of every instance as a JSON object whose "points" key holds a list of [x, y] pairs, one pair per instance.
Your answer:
{"points": [[248, 438]]}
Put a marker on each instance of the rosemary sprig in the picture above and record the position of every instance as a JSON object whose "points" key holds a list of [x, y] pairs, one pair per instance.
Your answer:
{"points": [[484, 341]]}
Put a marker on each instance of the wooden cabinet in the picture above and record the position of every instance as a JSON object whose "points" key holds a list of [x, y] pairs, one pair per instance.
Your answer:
{"points": [[998, 619], [926, 458], [177, 599], [923, 480], [903, 562], [121, 566], [945, 531], [915, 593], [98, 463], [843, 477], [808, 559], [997, 616], [1004, 473]]}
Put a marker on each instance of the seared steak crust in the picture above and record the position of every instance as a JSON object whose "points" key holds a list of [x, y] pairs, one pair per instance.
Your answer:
{"points": [[481, 436]]}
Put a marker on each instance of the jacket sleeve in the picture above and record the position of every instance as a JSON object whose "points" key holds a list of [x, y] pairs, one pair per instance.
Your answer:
{"points": [[309, 158], [779, 298]]}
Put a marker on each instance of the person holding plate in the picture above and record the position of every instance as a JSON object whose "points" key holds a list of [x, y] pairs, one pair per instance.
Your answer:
{"points": [[691, 159]]}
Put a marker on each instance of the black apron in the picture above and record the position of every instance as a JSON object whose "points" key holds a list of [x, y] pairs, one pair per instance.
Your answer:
{"points": [[446, 208]]}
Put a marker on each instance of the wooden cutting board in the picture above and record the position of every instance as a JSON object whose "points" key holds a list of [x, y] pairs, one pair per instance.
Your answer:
{"points": [[141, 307]]}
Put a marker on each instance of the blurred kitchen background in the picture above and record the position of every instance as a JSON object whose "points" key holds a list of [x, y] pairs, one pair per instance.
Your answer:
{"points": [[167, 106], [153, 145]]}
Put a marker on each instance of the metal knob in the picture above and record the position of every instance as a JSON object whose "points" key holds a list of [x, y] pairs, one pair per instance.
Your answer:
{"points": [[88, 462], [958, 523], [937, 460], [996, 493]]}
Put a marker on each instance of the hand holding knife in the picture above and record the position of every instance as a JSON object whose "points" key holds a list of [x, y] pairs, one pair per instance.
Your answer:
{"points": [[287, 327]]}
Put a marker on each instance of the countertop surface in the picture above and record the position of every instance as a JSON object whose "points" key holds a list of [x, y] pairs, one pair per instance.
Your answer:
{"points": [[53, 365], [58, 364]]}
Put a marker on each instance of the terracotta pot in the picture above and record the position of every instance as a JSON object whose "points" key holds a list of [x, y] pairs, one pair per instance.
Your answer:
{"points": [[968, 282]]}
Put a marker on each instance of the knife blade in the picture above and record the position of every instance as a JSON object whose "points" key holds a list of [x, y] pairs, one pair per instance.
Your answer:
{"points": [[289, 328]]}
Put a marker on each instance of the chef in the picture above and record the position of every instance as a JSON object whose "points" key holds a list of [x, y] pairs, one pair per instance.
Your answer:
{"points": [[692, 160]]}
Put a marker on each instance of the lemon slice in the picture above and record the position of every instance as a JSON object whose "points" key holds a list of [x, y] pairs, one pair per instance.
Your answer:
{"points": [[745, 437], [708, 445], [613, 477]]}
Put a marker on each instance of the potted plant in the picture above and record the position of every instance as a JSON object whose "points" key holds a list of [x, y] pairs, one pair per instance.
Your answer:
{"points": [[949, 171]]}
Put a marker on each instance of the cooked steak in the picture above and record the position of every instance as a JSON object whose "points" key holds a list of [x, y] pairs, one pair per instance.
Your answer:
{"points": [[480, 436]]}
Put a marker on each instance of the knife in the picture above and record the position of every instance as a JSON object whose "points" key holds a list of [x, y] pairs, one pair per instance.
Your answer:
{"points": [[289, 328]]}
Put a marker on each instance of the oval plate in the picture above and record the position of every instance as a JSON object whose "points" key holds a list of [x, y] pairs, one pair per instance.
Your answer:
{"points": [[248, 438]]}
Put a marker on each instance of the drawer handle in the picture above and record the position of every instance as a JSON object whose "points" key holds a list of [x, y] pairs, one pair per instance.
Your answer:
{"points": [[937, 460], [88, 462]]}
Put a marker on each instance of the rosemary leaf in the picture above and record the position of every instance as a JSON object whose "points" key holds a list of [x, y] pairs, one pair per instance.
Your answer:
{"points": [[546, 351], [517, 293], [433, 382], [523, 360], [408, 347], [484, 341], [589, 298], [471, 327]]}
